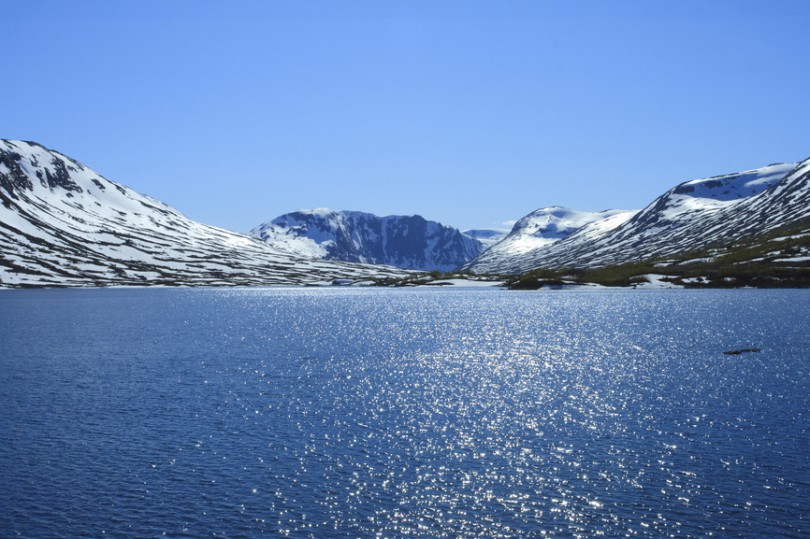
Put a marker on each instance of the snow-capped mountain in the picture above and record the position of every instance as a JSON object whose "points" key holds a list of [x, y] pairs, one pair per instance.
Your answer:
{"points": [[487, 236], [409, 242], [541, 229], [62, 224], [692, 215]]}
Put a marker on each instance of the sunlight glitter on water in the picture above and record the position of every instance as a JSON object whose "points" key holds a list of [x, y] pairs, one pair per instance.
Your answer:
{"points": [[427, 413]]}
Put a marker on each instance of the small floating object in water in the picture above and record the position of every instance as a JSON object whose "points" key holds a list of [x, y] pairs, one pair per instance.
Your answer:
{"points": [[742, 351]]}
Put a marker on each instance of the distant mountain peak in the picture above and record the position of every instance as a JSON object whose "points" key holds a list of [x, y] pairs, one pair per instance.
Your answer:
{"points": [[410, 242], [536, 231]]}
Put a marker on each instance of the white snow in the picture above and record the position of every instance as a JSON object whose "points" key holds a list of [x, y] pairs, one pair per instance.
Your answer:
{"points": [[487, 236], [656, 282], [544, 228], [691, 215], [404, 241], [87, 228]]}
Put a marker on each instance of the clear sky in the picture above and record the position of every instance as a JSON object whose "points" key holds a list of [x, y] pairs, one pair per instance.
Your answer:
{"points": [[470, 113]]}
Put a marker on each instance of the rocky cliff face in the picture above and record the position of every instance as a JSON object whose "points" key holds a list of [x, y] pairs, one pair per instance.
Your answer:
{"points": [[61, 224], [409, 242]]}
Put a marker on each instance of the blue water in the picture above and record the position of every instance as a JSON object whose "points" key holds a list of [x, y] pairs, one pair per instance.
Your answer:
{"points": [[429, 413]]}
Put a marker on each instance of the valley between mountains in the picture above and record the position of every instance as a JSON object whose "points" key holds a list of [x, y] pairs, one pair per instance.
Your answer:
{"points": [[63, 225]]}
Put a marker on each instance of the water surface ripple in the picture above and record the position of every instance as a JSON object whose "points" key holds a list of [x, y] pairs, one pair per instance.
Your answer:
{"points": [[430, 413]]}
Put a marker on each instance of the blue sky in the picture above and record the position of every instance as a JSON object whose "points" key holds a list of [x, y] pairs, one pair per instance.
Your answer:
{"points": [[471, 113]]}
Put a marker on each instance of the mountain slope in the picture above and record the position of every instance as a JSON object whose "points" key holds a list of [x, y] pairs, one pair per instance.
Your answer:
{"points": [[690, 216], [61, 224], [409, 242], [543, 228], [487, 236]]}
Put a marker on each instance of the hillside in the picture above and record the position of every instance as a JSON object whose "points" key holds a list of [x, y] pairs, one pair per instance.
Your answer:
{"points": [[62, 224], [688, 217]]}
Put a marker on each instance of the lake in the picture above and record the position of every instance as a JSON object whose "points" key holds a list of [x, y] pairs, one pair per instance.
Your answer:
{"points": [[392, 412]]}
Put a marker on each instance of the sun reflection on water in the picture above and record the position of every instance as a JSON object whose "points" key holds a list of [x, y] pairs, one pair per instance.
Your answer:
{"points": [[441, 414]]}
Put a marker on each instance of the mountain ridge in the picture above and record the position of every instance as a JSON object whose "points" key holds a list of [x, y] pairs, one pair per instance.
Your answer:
{"points": [[408, 242], [540, 229], [62, 224], [687, 216]]}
